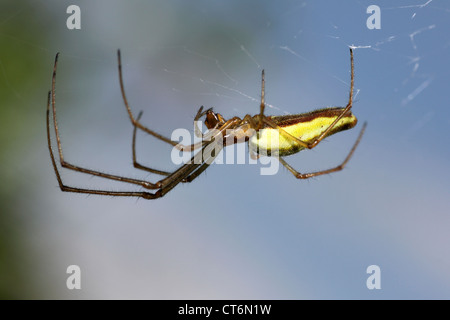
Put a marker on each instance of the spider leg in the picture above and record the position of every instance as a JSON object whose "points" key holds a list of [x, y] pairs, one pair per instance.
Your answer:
{"points": [[182, 174], [299, 175], [200, 113], [63, 187], [188, 172], [70, 166], [193, 169], [316, 141], [254, 155], [136, 164], [262, 105], [136, 122], [249, 119], [346, 109]]}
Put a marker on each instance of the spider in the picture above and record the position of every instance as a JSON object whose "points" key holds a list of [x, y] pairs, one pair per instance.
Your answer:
{"points": [[294, 133]]}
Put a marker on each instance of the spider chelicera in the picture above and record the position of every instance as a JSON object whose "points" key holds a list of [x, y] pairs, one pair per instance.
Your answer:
{"points": [[293, 133]]}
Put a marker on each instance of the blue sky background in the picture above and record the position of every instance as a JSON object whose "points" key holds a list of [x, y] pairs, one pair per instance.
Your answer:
{"points": [[232, 233]]}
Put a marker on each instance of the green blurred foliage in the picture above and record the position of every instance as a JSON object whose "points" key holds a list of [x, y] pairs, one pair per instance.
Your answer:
{"points": [[24, 30]]}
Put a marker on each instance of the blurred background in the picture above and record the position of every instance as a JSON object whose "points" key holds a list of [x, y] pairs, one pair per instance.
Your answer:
{"points": [[232, 233]]}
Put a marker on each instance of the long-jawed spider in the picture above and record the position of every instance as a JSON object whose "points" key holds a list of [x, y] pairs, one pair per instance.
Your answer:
{"points": [[293, 133]]}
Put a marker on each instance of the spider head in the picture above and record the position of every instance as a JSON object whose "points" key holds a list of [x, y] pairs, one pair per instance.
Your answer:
{"points": [[213, 120]]}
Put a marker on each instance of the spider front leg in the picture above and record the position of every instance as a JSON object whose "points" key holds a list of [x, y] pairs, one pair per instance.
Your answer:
{"points": [[299, 175], [192, 170], [136, 164], [185, 173], [200, 113], [136, 122], [52, 100], [65, 188]]}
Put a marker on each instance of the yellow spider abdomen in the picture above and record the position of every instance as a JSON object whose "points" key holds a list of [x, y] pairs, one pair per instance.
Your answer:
{"points": [[305, 127]]}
